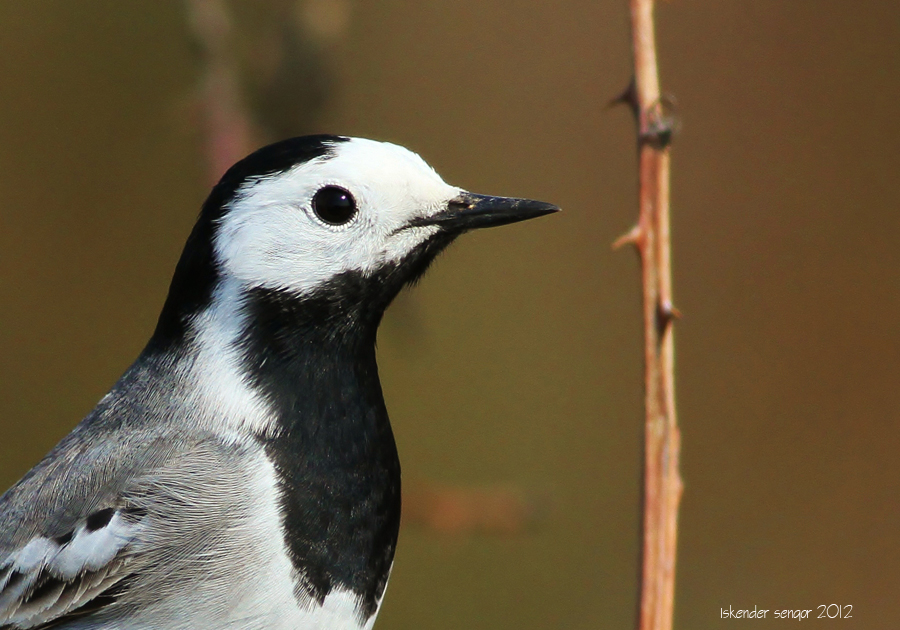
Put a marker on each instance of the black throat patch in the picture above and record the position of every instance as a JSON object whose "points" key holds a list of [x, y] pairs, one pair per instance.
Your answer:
{"points": [[313, 358]]}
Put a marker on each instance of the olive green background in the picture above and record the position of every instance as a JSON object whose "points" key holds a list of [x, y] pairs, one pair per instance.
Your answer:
{"points": [[518, 358]]}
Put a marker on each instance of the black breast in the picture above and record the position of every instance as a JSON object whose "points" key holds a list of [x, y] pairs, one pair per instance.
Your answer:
{"points": [[337, 464]]}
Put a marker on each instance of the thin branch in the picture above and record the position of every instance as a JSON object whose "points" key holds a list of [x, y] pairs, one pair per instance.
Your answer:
{"points": [[662, 480]]}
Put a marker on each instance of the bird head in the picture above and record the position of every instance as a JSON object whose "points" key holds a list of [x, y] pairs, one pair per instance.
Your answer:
{"points": [[349, 219]]}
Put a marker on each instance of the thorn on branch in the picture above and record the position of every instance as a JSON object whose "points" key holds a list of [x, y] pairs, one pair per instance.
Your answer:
{"points": [[632, 237], [627, 97], [666, 313], [661, 122]]}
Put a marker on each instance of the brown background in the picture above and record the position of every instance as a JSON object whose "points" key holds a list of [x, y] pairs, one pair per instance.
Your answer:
{"points": [[517, 361]]}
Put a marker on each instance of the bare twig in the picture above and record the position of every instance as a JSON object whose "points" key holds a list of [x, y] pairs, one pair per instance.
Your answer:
{"points": [[662, 480]]}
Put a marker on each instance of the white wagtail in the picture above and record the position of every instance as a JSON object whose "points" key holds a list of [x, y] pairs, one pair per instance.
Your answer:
{"points": [[242, 473]]}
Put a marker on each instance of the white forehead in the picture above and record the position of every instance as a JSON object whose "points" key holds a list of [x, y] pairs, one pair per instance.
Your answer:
{"points": [[270, 236], [365, 167]]}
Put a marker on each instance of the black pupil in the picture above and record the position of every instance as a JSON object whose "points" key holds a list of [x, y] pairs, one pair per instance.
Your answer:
{"points": [[334, 205]]}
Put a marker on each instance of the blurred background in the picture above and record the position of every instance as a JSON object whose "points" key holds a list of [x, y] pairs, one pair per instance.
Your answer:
{"points": [[513, 372]]}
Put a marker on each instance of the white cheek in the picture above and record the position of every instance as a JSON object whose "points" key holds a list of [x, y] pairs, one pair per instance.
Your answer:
{"points": [[260, 245], [284, 248]]}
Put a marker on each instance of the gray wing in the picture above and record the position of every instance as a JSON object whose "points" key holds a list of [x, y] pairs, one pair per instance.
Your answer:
{"points": [[105, 526]]}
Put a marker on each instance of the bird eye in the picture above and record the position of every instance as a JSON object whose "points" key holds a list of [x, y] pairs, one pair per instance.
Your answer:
{"points": [[334, 205]]}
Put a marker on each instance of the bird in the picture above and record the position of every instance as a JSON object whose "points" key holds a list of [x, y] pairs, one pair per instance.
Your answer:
{"points": [[242, 473]]}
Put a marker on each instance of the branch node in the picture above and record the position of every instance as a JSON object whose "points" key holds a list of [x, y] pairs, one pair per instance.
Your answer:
{"points": [[666, 313], [661, 122]]}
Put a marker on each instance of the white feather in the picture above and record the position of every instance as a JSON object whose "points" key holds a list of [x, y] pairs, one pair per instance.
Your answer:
{"points": [[232, 407], [89, 551], [33, 555]]}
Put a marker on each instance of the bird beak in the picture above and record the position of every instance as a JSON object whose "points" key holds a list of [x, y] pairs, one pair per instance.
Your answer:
{"points": [[469, 211]]}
